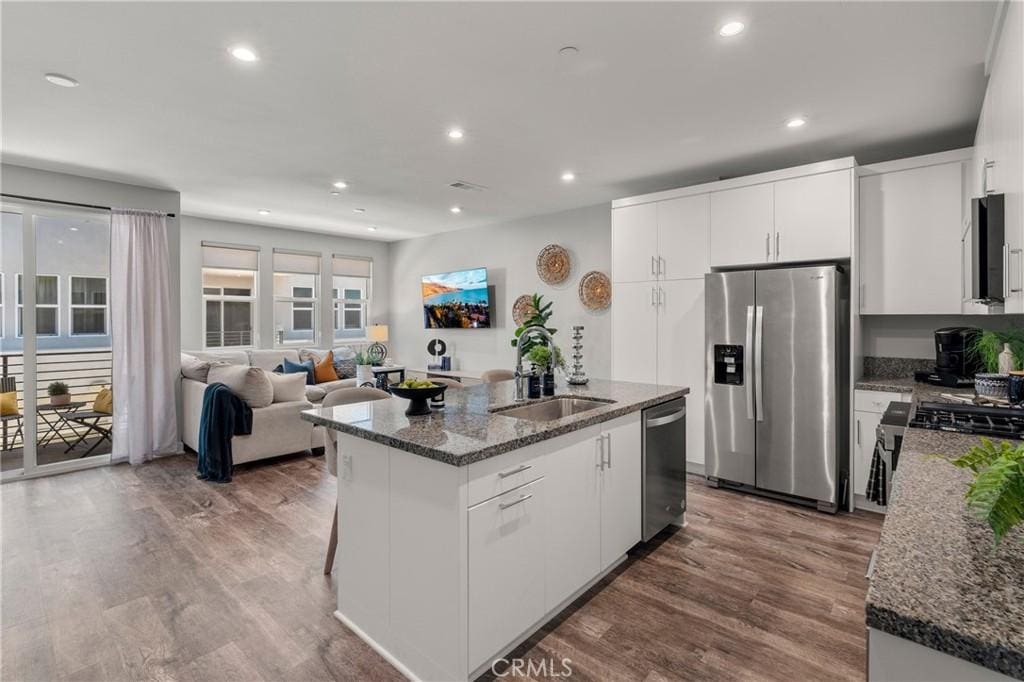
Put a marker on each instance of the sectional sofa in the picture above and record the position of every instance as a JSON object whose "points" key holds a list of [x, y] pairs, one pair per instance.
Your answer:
{"points": [[277, 428]]}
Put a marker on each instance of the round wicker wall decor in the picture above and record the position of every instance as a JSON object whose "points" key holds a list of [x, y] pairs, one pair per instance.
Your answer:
{"points": [[595, 290], [553, 264]]}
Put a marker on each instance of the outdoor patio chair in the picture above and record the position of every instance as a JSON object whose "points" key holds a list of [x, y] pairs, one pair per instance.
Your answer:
{"points": [[10, 385]]}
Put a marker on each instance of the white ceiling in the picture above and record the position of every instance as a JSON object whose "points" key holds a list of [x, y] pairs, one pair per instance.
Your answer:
{"points": [[365, 91]]}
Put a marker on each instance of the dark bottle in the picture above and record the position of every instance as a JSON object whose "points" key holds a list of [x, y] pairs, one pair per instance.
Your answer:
{"points": [[533, 386], [549, 383]]}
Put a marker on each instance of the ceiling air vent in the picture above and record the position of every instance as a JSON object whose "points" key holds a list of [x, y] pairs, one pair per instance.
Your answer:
{"points": [[462, 184]]}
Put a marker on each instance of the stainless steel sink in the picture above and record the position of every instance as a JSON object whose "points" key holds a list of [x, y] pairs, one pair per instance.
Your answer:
{"points": [[549, 410]]}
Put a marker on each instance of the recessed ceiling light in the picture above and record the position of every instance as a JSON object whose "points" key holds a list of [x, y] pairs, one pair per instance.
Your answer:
{"points": [[568, 176], [456, 133], [341, 184], [371, 228], [263, 211], [73, 229], [731, 28], [244, 54], [796, 122], [61, 80], [335, 193], [359, 210], [456, 209]]}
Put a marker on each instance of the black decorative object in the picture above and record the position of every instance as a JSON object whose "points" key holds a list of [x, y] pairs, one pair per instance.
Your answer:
{"points": [[377, 352], [549, 383], [533, 386], [436, 348], [418, 398], [577, 376]]}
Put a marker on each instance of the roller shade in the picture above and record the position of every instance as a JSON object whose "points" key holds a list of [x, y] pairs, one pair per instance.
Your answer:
{"points": [[297, 263], [349, 266], [231, 257]]}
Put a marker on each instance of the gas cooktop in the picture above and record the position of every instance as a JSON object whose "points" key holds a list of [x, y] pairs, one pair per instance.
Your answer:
{"points": [[999, 422]]}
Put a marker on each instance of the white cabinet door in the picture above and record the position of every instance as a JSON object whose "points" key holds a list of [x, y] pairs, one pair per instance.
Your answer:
{"points": [[621, 500], [635, 332], [901, 213], [683, 236], [814, 217], [864, 427], [741, 226], [681, 353], [635, 243], [574, 515], [506, 569]]}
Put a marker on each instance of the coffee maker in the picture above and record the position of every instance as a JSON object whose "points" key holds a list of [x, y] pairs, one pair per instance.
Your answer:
{"points": [[955, 364]]}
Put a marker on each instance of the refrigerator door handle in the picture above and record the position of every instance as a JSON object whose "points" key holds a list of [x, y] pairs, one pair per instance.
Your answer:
{"points": [[749, 382], [758, 357]]}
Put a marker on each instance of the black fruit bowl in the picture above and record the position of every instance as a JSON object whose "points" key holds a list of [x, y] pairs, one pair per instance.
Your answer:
{"points": [[418, 398]]}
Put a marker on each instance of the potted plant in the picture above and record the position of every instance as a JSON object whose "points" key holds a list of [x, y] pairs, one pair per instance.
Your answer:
{"points": [[985, 352], [364, 368], [59, 393], [541, 314], [996, 495]]}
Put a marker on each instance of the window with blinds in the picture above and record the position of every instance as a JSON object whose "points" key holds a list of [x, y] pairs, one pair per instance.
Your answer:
{"points": [[230, 296], [351, 296], [296, 287]]}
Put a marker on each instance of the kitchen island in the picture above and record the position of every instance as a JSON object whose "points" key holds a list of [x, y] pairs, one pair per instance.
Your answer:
{"points": [[462, 532], [943, 603]]}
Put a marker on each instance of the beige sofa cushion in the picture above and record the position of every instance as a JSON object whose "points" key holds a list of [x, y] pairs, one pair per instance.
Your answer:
{"points": [[233, 357], [288, 387], [268, 359], [314, 394], [194, 368], [251, 384]]}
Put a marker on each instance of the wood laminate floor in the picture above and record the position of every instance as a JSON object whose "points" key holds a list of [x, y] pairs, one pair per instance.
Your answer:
{"points": [[146, 573]]}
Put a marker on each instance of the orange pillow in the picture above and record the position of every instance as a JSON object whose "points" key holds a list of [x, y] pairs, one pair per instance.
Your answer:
{"points": [[9, 404], [104, 401], [324, 370]]}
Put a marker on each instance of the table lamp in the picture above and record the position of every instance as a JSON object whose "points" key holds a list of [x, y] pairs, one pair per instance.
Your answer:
{"points": [[378, 333]]}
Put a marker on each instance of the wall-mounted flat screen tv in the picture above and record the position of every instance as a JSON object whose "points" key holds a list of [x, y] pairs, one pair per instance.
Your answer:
{"points": [[456, 300]]}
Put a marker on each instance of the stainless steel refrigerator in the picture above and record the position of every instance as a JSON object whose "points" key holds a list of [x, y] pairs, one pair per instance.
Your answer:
{"points": [[777, 388]]}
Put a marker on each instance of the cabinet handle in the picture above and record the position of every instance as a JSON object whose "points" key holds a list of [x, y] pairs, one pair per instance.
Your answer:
{"points": [[609, 437], [654, 267], [984, 177], [767, 245], [777, 245], [522, 498], [654, 296], [517, 470], [858, 432], [1006, 271], [661, 296], [600, 451], [1020, 270], [661, 266]]}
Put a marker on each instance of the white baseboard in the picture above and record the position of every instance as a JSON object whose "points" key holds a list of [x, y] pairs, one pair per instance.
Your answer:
{"points": [[695, 468]]}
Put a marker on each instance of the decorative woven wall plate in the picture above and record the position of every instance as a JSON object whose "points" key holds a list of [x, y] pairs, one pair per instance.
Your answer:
{"points": [[522, 309], [553, 264], [595, 290]]}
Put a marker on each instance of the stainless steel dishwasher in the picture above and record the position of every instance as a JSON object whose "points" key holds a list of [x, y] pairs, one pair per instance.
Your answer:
{"points": [[664, 465]]}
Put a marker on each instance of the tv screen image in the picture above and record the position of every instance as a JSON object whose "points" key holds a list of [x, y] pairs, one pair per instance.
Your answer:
{"points": [[456, 300]]}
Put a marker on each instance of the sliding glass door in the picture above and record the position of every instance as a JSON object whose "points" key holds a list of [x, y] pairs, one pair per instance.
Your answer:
{"points": [[55, 344]]}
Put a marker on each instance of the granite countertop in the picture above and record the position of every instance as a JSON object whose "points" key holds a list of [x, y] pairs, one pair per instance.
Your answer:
{"points": [[467, 430], [938, 579]]}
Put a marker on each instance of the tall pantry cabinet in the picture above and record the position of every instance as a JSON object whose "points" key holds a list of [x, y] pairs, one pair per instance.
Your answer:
{"points": [[659, 258]]}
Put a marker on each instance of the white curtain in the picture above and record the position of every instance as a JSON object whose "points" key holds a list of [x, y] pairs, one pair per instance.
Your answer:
{"points": [[144, 361]]}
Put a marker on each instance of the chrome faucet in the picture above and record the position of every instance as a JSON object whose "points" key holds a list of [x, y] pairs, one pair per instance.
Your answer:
{"points": [[519, 376]]}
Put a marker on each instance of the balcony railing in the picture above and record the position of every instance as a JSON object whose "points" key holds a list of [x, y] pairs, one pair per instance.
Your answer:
{"points": [[228, 338], [85, 372]]}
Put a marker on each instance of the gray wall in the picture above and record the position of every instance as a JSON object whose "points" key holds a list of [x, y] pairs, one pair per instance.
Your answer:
{"points": [[196, 230], [509, 252], [911, 336]]}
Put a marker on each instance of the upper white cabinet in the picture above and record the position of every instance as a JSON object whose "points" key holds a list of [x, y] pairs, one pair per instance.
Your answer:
{"points": [[660, 240], [635, 243], [911, 252], [635, 332], [742, 225], [683, 237], [999, 146], [814, 217], [803, 218]]}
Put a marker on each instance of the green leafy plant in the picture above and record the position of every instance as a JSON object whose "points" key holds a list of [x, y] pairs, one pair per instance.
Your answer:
{"points": [[541, 314], [362, 358], [996, 495], [989, 344], [540, 356], [57, 388]]}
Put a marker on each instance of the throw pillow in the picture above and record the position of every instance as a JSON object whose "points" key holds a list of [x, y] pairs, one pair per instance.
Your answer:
{"points": [[309, 354], [344, 362], [288, 387], [323, 371], [9, 404], [315, 394], [104, 401], [194, 368], [251, 384], [289, 367]]}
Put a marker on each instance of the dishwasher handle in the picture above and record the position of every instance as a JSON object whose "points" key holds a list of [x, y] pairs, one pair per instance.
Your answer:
{"points": [[667, 418]]}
